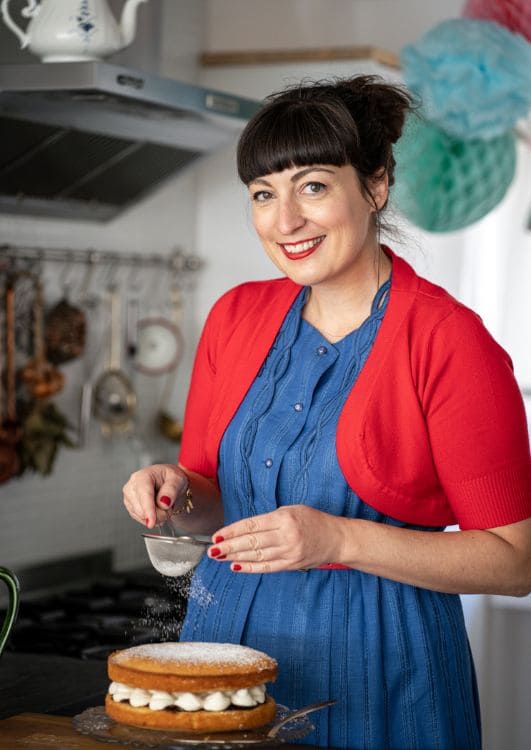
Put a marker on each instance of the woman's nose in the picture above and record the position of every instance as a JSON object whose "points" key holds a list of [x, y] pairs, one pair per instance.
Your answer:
{"points": [[290, 216]]}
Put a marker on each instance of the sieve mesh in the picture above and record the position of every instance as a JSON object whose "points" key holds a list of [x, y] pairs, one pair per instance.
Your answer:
{"points": [[174, 556]]}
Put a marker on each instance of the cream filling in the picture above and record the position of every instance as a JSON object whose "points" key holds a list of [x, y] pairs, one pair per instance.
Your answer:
{"points": [[158, 700], [301, 247]]}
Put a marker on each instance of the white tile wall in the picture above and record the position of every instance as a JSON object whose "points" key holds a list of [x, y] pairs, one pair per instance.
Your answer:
{"points": [[79, 508]]}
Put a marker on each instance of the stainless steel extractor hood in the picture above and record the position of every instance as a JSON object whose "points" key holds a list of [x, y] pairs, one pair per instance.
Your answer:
{"points": [[87, 140]]}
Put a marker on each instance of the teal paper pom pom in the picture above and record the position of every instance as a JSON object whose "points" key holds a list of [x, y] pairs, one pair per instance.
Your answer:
{"points": [[443, 183], [473, 77]]}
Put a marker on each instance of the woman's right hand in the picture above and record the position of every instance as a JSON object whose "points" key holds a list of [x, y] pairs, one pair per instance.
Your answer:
{"points": [[151, 492]]}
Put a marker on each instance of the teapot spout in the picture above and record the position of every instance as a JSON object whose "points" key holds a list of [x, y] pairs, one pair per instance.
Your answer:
{"points": [[128, 21]]}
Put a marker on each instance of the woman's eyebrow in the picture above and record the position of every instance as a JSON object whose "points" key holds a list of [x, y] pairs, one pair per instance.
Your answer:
{"points": [[295, 177], [308, 170]]}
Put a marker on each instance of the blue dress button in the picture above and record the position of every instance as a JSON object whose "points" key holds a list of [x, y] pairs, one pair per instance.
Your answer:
{"points": [[268, 462], [321, 350], [298, 406]]}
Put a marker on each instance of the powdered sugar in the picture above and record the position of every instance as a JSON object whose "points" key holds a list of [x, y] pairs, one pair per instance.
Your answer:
{"points": [[173, 569], [195, 652]]}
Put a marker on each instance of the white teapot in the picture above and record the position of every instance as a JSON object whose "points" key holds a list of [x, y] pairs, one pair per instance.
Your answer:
{"points": [[73, 30]]}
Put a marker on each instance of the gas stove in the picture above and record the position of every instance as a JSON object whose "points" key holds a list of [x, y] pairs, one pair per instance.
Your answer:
{"points": [[89, 619]]}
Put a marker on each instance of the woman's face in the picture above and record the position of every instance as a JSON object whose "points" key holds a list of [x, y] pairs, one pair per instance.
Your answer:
{"points": [[315, 223]]}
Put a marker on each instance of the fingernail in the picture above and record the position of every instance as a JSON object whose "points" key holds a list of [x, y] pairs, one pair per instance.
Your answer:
{"points": [[214, 552], [222, 557], [165, 500], [236, 567], [219, 539], [147, 521]]}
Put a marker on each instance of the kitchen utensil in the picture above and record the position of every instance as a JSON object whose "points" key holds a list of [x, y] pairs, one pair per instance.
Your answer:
{"points": [[40, 377], [65, 331], [168, 425], [13, 587], [72, 31], [277, 726], [114, 396], [132, 323], [159, 346], [90, 302], [159, 340], [9, 431], [175, 555]]}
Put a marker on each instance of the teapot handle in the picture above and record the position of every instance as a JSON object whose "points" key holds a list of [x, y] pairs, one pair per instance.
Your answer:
{"points": [[13, 586], [31, 8]]}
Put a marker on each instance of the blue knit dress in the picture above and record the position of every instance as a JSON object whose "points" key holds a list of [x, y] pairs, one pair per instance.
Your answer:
{"points": [[395, 657]]}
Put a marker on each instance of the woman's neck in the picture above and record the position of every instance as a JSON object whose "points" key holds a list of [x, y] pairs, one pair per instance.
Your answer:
{"points": [[337, 309]]}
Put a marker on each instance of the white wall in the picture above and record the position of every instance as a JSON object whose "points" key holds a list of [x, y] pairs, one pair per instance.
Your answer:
{"points": [[293, 24]]}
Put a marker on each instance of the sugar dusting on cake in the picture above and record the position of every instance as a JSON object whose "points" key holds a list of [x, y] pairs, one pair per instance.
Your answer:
{"points": [[194, 652]]}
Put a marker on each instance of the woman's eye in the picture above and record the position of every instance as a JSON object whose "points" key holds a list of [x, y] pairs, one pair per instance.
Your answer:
{"points": [[314, 187], [261, 195]]}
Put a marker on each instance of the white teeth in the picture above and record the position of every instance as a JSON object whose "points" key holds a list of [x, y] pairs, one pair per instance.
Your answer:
{"points": [[301, 247]]}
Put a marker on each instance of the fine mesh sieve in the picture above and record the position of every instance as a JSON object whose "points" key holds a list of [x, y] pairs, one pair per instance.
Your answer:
{"points": [[174, 555]]}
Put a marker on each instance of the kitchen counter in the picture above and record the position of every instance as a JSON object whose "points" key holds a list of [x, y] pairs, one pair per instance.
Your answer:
{"points": [[39, 731]]}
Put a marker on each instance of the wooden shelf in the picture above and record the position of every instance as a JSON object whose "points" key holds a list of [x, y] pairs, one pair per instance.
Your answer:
{"points": [[272, 57]]}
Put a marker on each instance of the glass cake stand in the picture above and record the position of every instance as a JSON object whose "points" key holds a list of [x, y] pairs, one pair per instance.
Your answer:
{"points": [[288, 725]]}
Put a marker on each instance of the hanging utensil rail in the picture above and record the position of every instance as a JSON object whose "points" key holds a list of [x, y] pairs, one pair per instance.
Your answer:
{"points": [[177, 260]]}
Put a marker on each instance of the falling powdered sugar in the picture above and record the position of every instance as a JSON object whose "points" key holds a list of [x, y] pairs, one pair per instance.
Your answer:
{"points": [[200, 594]]}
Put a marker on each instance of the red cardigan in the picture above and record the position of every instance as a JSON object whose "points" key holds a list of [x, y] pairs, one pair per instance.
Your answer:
{"points": [[434, 430]]}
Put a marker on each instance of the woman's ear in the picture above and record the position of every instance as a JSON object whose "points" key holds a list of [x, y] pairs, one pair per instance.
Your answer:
{"points": [[379, 186]]}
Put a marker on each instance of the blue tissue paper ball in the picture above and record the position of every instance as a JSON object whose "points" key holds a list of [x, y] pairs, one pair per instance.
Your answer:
{"points": [[442, 183], [472, 75]]}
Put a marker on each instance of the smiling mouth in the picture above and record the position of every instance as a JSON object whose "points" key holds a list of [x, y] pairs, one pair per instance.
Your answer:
{"points": [[298, 250]]}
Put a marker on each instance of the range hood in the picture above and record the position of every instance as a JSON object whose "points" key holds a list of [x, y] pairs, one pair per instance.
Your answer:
{"points": [[87, 140]]}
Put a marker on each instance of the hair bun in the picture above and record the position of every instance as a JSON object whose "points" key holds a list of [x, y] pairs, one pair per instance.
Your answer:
{"points": [[377, 105]]}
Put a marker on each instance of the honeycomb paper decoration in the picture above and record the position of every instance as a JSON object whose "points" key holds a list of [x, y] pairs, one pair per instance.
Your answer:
{"points": [[444, 184], [515, 15], [472, 76]]}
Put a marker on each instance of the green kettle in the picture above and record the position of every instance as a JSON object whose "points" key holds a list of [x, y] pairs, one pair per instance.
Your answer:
{"points": [[13, 587]]}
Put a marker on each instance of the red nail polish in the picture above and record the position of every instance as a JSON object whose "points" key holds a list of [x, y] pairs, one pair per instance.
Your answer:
{"points": [[165, 500], [222, 557], [236, 567], [214, 552], [219, 539], [147, 521]]}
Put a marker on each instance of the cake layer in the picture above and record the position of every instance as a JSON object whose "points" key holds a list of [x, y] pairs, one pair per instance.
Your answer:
{"points": [[191, 667], [192, 721]]}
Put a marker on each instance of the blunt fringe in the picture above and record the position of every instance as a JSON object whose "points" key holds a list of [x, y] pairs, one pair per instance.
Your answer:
{"points": [[341, 121]]}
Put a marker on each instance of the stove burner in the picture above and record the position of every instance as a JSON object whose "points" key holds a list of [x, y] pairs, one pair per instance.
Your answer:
{"points": [[91, 621]]}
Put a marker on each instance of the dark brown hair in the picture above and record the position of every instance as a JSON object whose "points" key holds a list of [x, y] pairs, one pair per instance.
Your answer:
{"points": [[341, 121]]}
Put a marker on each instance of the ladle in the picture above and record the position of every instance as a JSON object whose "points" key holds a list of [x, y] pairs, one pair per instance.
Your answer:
{"points": [[114, 397]]}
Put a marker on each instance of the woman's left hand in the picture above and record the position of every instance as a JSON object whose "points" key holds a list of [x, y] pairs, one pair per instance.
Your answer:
{"points": [[293, 537]]}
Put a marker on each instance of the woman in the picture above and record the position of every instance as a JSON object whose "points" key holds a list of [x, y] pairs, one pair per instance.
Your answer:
{"points": [[338, 419]]}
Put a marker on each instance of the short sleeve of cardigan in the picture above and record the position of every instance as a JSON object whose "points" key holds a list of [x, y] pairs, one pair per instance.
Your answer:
{"points": [[477, 424]]}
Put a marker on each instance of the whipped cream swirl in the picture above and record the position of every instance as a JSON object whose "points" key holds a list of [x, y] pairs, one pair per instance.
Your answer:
{"points": [[158, 700]]}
